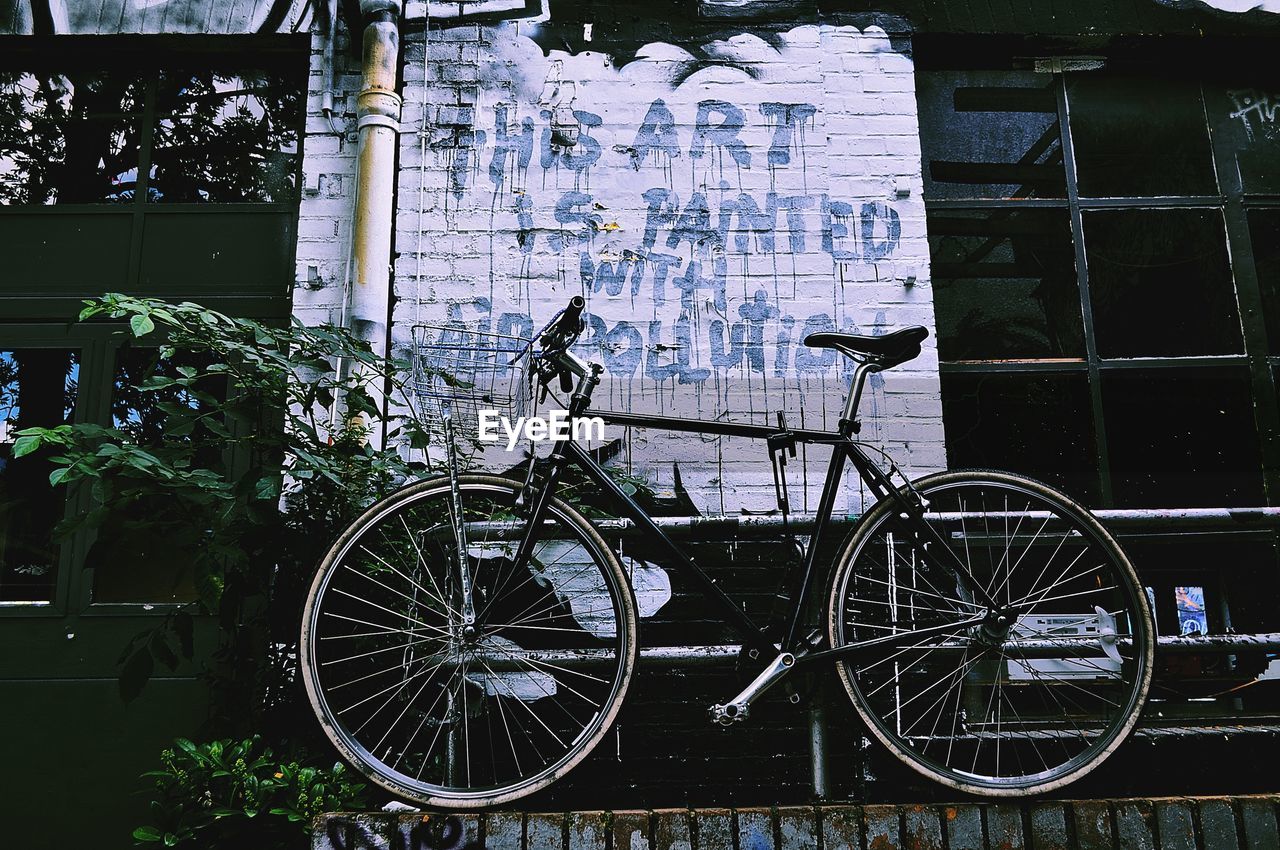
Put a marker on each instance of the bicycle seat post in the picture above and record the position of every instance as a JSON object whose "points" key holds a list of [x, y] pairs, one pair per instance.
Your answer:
{"points": [[849, 423]]}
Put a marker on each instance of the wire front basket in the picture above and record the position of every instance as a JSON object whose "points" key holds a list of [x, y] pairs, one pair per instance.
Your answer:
{"points": [[461, 372]]}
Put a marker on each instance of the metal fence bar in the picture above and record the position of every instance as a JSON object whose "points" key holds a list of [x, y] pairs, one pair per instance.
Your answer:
{"points": [[692, 656], [750, 525]]}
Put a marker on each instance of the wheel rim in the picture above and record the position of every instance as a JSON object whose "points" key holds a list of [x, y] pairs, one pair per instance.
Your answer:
{"points": [[1008, 706], [444, 714]]}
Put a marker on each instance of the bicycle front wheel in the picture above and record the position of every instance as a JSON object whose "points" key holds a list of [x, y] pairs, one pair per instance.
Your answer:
{"points": [[1049, 681], [456, 716]]}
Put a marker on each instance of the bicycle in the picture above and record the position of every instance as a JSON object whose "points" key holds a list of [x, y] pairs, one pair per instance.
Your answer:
{"points": [[989, 631]]}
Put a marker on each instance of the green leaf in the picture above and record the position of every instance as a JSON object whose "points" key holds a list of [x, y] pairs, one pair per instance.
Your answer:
{"points": [[26, 445], [141, 325], [268, 488], [57, 475], [170, 840], [146, 833]]}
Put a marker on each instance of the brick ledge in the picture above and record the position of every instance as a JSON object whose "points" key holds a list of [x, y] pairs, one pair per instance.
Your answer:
{"points": [[1172, 823]]}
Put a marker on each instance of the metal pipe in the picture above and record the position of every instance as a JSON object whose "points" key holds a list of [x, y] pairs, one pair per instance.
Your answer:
{"points": [[697, 656], [748, 525], [378, 124], [818, 742]]}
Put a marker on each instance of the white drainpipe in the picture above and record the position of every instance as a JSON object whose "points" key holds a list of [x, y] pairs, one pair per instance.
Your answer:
{"points": [[378, 120]]}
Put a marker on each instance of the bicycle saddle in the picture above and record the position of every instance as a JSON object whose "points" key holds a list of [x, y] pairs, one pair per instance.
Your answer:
{"points": [[886, 351]]}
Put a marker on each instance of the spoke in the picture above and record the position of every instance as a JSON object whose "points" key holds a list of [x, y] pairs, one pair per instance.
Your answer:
{"points": [[394, 647], [591, 565], [396, 688], [1065, 596], [921, 592], [408, 744], [1008, 579], [977, 749], [502, 713], [422, 564], [1029, 665], [916, 646], [576, 631], [958, 684], [541, 723], [937, 592], [384, 563], [1059, 580], [447, 689], [955, 711], [401, 648], [574, 542], [534, 665], [399, 593], [384, 628], [466, 729], [407, 705], [906, 733], [399, 614], [547, 664]]}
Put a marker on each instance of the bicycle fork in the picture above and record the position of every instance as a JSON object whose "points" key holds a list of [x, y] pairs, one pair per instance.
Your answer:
{"points": [[468, 610]]}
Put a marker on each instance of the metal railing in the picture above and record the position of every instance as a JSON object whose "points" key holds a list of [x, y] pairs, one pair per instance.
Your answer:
{"points": [[1136, 522]]}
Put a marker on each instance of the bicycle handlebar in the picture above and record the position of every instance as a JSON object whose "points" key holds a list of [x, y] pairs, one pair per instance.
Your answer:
{"points": [[569, 324]]}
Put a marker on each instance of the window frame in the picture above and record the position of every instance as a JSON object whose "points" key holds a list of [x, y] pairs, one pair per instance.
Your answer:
{"points": [[149, 56], [48, 321], [1232, 205]]}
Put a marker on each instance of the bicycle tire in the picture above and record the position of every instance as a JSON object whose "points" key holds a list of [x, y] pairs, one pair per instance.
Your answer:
{"points": [[1035, 685], [546, 669]]}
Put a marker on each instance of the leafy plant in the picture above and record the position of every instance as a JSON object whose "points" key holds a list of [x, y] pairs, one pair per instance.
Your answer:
{"points": [[228, 793], [238, 449]]}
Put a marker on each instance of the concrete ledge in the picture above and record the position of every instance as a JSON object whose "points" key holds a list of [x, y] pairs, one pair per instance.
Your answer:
{"points": [[1175, 823]]}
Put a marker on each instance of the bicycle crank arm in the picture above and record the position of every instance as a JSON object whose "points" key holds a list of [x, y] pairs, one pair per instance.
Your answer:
{"points": [[736, 709]]}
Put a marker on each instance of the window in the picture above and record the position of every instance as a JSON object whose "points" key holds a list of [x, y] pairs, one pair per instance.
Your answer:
{"points": [[151, 171], [132, 171], [38, 387], [1099, 241], [156, 136]]}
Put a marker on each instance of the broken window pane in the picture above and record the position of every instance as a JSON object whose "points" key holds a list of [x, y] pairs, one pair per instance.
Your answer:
{"points": [[37, 389], [1180, 437], [69, 138], [225, 137], [1004, 285], [1139, 136], [1161, 283], [1038, 424], [989, 134]]}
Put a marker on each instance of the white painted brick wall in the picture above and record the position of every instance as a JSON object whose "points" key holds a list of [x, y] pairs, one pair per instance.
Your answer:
{"points": [[459, 228], [328, 167], [458, 231]]}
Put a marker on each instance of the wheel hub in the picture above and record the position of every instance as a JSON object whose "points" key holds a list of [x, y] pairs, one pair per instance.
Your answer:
{"points": [[994, 628]]}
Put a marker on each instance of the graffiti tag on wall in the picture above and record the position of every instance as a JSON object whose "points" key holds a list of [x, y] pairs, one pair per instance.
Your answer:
{"points": [[702, 214]]}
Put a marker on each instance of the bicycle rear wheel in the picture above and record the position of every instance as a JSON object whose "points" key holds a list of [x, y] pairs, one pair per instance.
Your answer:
{"points": [[457, 717], [1039, 692]]}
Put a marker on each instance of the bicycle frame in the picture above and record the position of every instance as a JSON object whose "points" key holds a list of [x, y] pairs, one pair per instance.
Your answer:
{"points": [[845, 449]]}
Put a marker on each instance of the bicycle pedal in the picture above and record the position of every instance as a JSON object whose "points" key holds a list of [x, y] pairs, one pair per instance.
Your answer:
{"points": [[727, 715]]}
